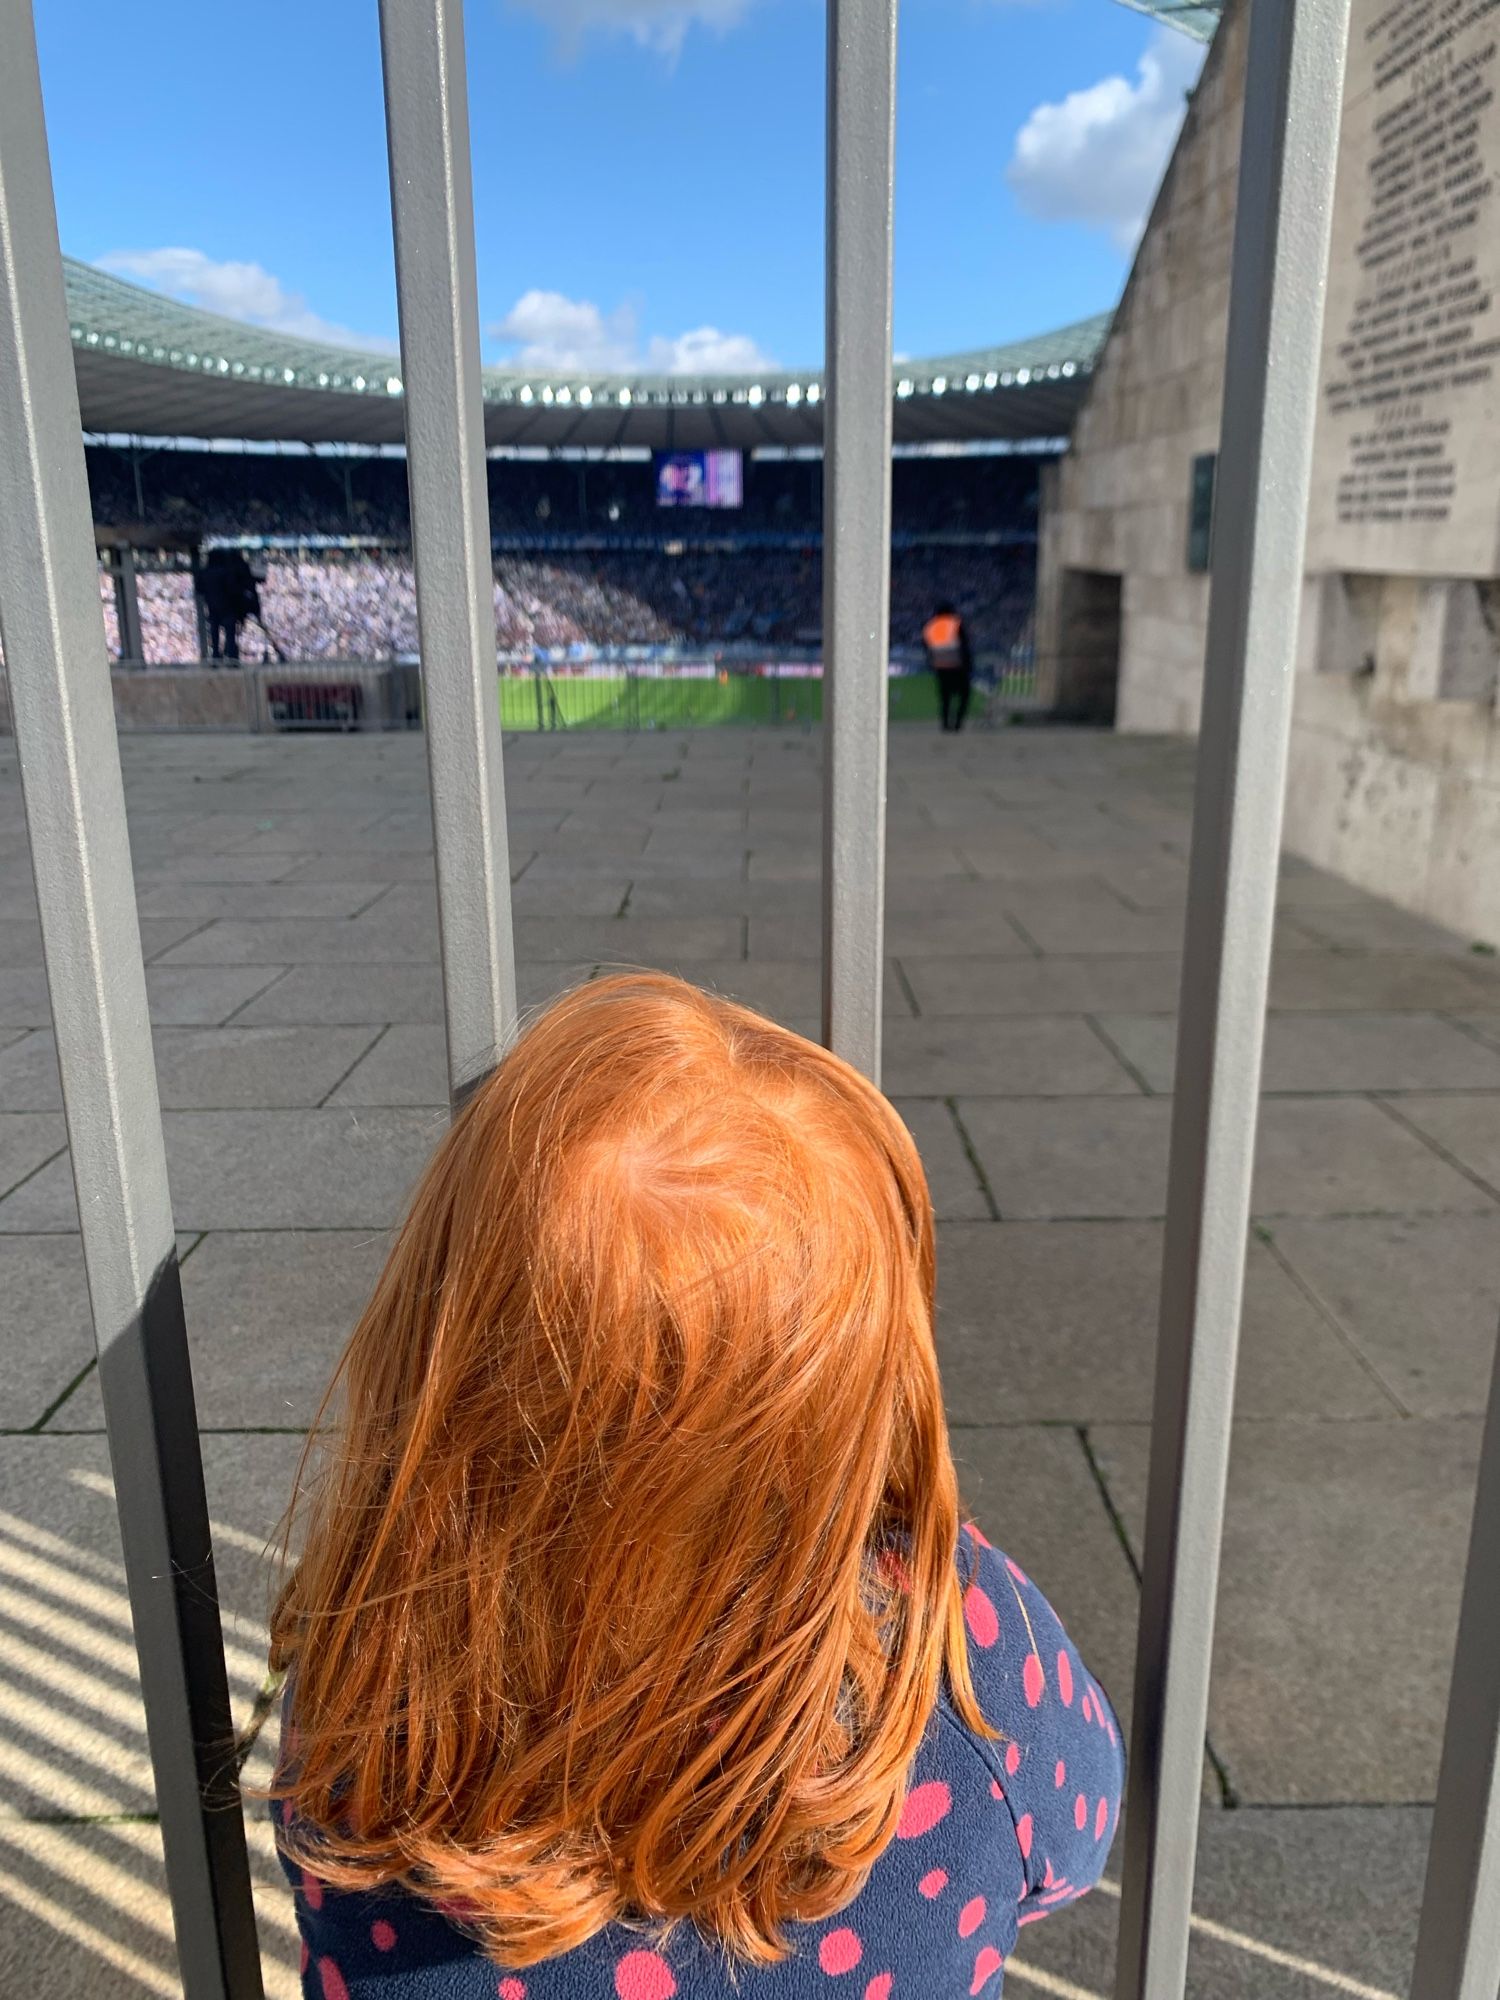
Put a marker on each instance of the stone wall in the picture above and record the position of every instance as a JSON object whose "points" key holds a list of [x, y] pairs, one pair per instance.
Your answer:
{"points": [[1117, 503], [172, 698], [1395, 765]]}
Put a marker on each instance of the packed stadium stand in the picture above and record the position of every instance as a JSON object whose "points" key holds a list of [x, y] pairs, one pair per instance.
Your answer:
{"points": [[207, 432]]}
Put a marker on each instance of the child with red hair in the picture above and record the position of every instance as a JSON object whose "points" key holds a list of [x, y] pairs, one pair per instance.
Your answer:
{"points": [[635, 1648]]}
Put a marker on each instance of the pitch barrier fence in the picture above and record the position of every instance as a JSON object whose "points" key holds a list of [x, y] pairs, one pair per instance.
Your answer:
{"points": [[69, 759]]}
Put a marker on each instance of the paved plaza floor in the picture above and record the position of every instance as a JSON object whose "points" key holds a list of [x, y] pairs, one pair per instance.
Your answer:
{"points": [[1035, 908]]}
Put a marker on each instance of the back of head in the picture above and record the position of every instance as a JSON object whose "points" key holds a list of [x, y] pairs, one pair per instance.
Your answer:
{"points": [[599, 1611]]}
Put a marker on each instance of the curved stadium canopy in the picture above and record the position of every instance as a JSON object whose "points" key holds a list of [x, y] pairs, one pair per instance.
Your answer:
{"points": [[149, 366]]}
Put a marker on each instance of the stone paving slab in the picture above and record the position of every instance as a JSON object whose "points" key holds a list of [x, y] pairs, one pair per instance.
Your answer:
{"points": [[1347, 981], [46, 1337], [72, 1729], [1344, 1548], [1418, 1298], [268, 1315], [1055, 1322], [1327, 1052], [1291, 1905], [205, 1068], [1025, 1057], [1486, 1026], [83, 1911], [957, 1194], [1467, 1128], [333, 1169], [27, 1138], [979, 986]]}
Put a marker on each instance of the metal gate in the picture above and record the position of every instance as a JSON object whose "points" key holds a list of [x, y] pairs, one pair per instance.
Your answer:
{"points": [[76, 814]]}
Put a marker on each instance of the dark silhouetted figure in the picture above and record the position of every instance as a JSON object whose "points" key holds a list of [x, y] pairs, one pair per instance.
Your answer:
{"points": [[946, 639], [227, 586]]}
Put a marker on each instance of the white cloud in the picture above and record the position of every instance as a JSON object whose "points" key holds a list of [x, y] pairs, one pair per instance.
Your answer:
{"points": [[1098, 156], [705, 351], [661, 25], [553, 333], [241, 291], [556, 332]]}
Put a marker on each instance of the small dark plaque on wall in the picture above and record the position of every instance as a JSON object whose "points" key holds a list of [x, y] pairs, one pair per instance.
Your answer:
{"points": [[1201, 511]]}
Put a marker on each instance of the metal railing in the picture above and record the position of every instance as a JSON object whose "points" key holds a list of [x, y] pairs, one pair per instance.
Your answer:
{"points": [[75, 810]]}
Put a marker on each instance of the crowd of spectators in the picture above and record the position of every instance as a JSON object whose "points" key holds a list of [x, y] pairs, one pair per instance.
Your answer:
{"points": [[583, 554], [349, 605], [186, 495]]}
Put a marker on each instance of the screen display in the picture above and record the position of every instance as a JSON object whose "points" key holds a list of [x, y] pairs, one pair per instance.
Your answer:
{"points": [[700, 479]]}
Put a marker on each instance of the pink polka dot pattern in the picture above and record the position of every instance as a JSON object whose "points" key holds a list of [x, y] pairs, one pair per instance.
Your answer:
{"points": [[978, 1536], [1017, 1572], [880, 1986], [1080, 1812], [644, 1975], [986, 1966], [305, 1956], [383, 1935], [312, 1891], [1060, 1775], [971, 1916], [1065, 1679], [893, 1570], [1101, 1818], [1033, 1680], [925, 1806], [840, 1952], [1012, 1759], [513, 1989], [997, 1790], [981, 1617], [933, 1883], [1023, 1835], [333, 1980]]}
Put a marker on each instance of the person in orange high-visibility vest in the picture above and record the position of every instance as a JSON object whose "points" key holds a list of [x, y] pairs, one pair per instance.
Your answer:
{"points": [[946, 639]]}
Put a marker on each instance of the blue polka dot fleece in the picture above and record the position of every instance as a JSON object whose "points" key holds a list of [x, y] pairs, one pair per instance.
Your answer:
{"points": [[993, 1835]]}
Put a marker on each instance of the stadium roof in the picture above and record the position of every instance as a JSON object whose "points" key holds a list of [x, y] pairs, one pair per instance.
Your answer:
{"points": [[149, 366], [1197, 21]]}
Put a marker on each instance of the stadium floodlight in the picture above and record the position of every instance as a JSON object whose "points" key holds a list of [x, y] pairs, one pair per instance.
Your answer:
{"points": [[905, 386], [992, 379], [1070, 368], [623, 398], [721, 395], [393, 385], [565, 394], [1023, 376], [814, 392], [525, 392], [546, 392], [359, 381], [585, 395], [939, 385], [755, 394], [288, 375], [971, 383], [794, 392]]}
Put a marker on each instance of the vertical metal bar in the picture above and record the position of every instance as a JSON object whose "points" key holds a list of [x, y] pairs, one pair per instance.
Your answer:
{"points": [[1458, 1945], [62, 709], [128, 603], [857, 519], [1293, 91], [432, 208]]}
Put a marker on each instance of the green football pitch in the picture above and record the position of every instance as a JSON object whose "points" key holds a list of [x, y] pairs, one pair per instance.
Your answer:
{"points": [[646, 702]]}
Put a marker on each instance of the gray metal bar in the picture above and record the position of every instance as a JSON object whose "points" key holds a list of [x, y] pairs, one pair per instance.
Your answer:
{"points": [[432, 207], [857, 519], [75, 809], [128, 607], [1458, 1945], [1293, 90]]}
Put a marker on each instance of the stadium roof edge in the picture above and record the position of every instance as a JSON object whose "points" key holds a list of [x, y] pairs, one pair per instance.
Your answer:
{"points": [[1197, 20], [148, 365]]}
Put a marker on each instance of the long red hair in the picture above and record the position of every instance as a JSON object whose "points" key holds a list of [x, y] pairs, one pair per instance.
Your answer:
{"points": [[628, 1579]]}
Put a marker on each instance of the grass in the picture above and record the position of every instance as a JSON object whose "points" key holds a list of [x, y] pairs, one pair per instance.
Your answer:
{"points": [[645, 702]]}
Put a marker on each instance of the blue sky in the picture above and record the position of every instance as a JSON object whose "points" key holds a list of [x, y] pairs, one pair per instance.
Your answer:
{"points": [[647, 172]]}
